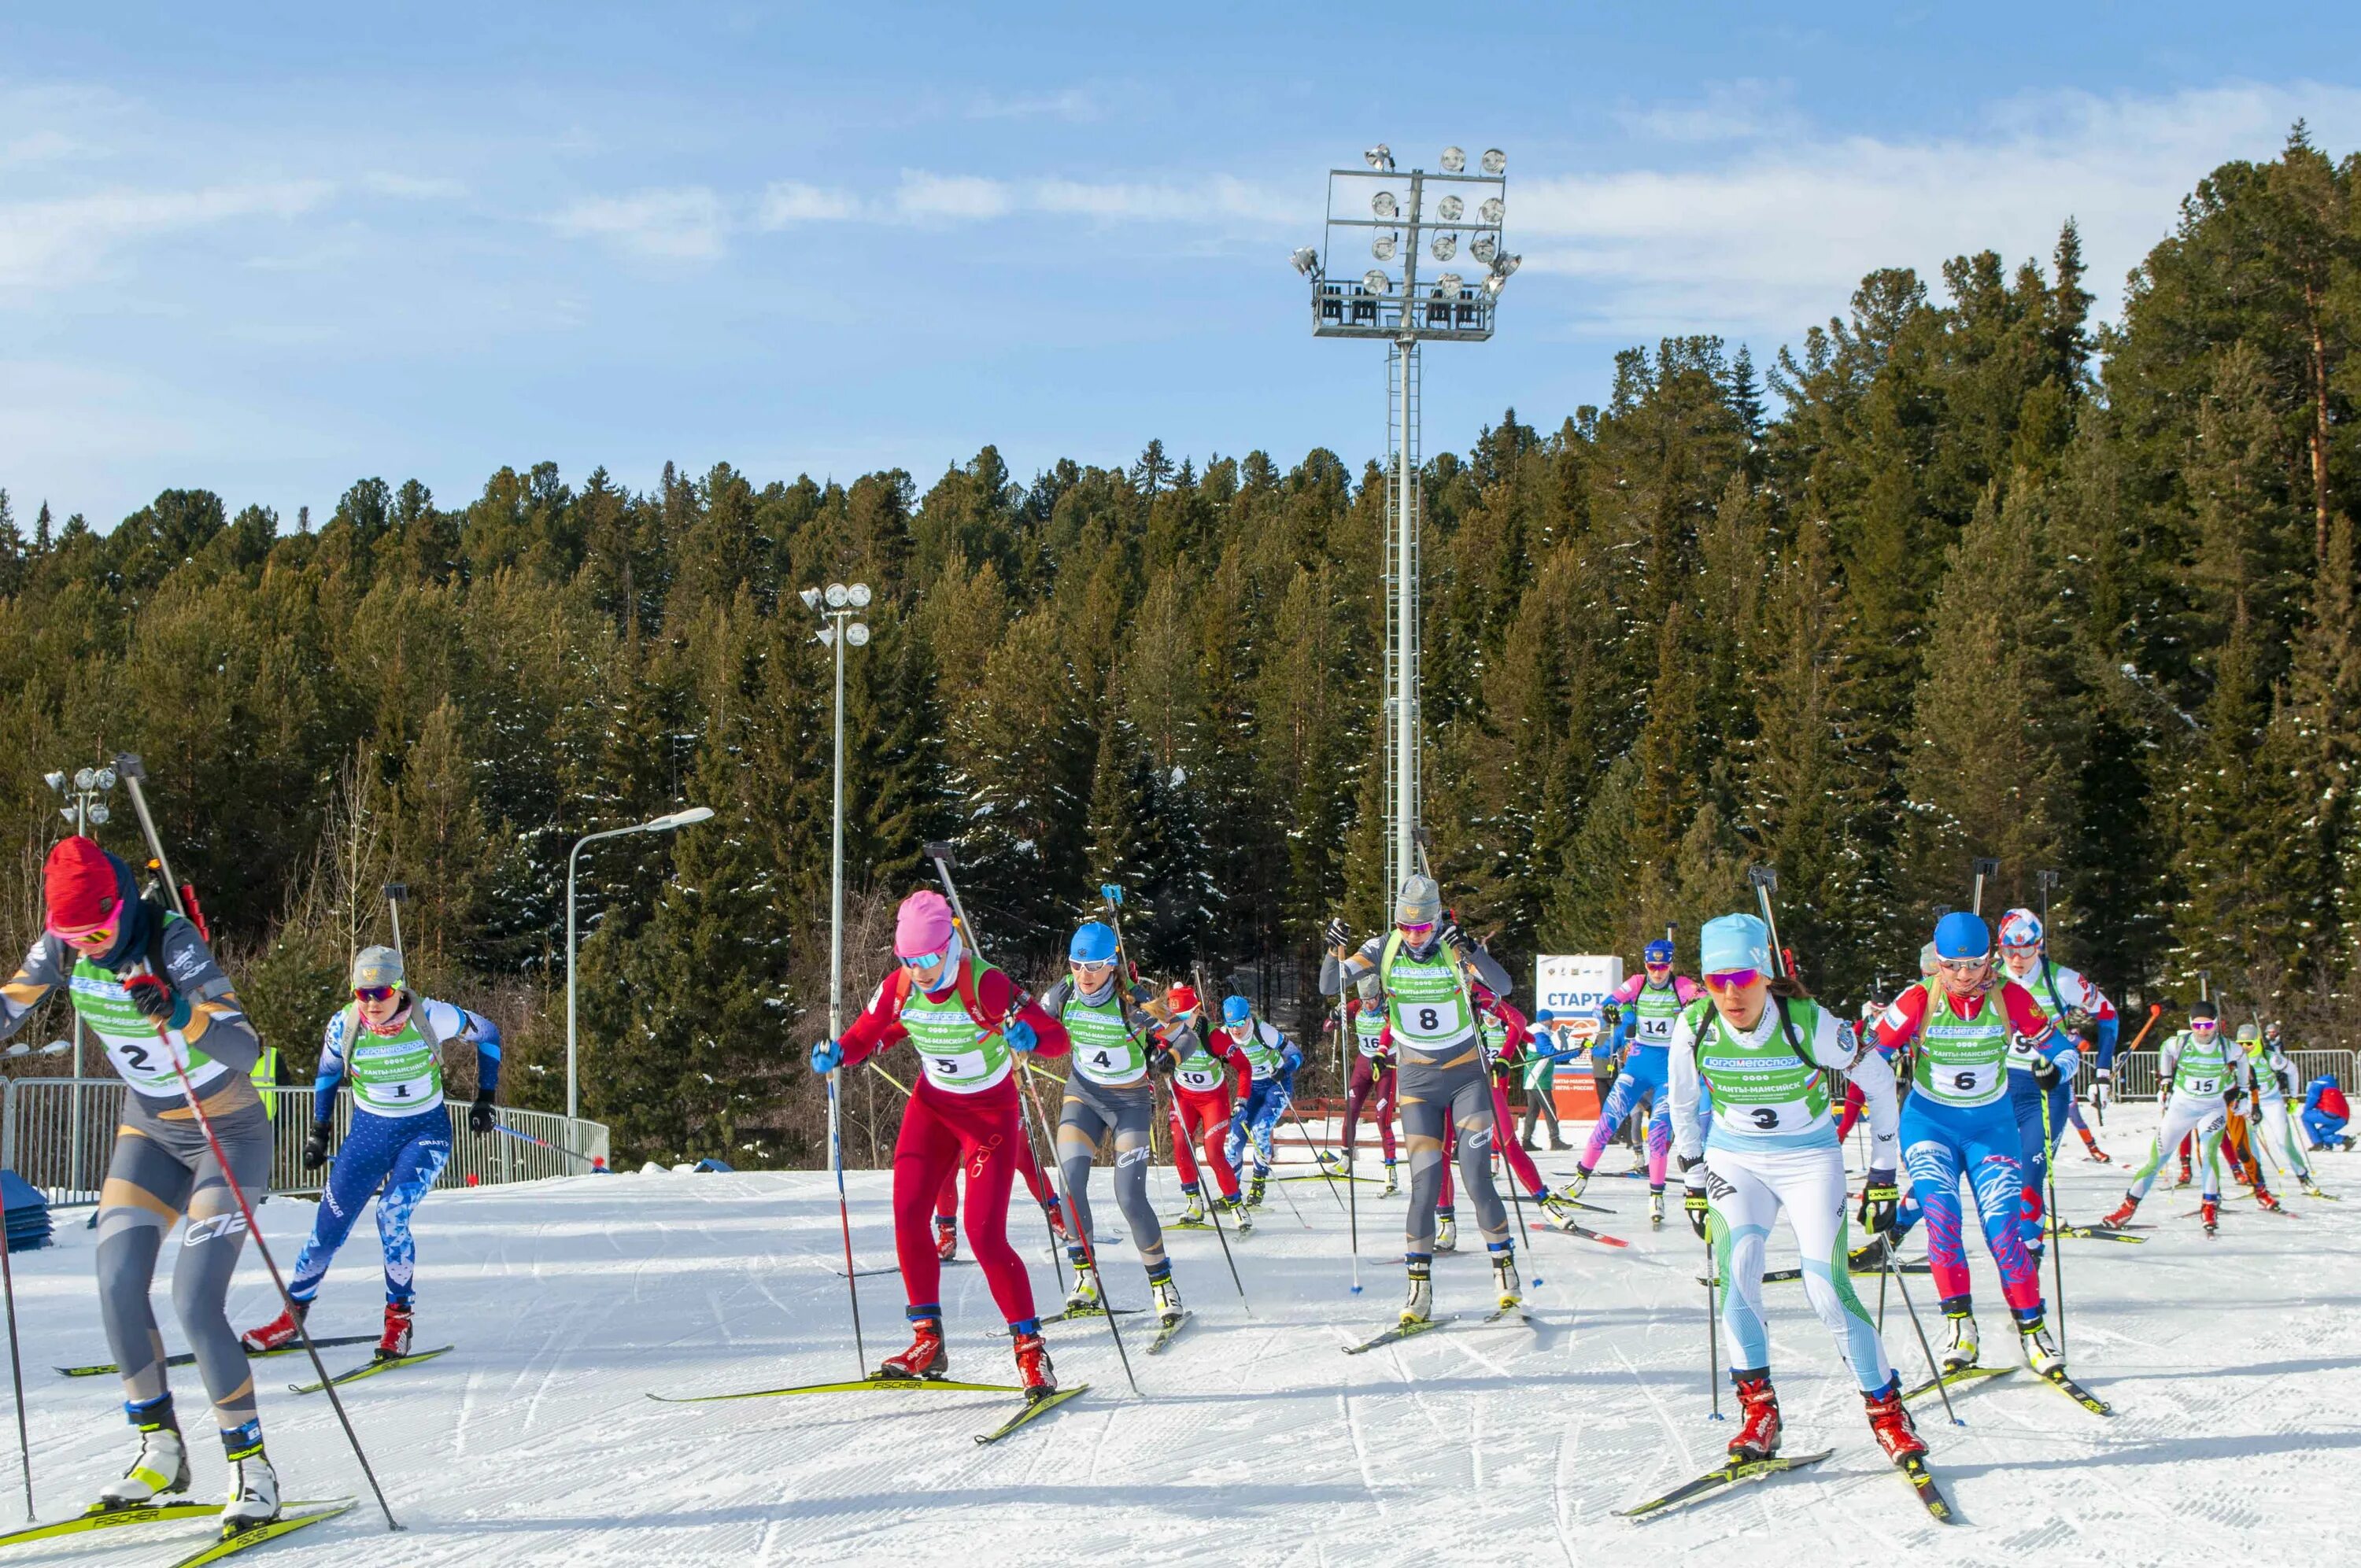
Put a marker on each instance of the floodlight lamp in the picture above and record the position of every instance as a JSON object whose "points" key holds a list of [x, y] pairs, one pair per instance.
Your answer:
{"points": [[85, 778], [1452, 285], [105, 778], [98, 812], [836, 596], [857, 635], [1375, 281], [1491, 210], [1307, 261], [1454, 160], [826, 635], [55, 780], [1505, 265], [1384, 204], [1492, 285], [1380, 157], [1484, 248], [1496, 162], [1446, 247], [858, 596], [810, 597], [1450, 208], [1383, 246]]}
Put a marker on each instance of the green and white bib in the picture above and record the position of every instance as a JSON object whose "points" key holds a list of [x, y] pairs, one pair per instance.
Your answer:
{"points": [[1105, 1051], [399, 1074], [129, 1038], [1369, 1032], [1657, 1010], [2204, 1065], [1762, 1088], [1962, 1061], [1426, 1001], [1200, 1072], [1261, 1048], [960, 1055]]}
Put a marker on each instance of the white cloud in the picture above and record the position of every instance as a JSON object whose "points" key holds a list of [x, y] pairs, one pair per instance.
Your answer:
{"points": [[1730, 111], [689, 223], [788, 202], [1778, 236], [924, 197], [411, 187], [1076, 106], [53, 243]]}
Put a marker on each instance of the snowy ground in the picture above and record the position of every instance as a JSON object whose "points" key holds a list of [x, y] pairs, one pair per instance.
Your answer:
{"points": [[2231, 1363]]}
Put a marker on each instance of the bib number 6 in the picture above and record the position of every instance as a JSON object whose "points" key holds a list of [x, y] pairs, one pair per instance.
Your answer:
{"points": [[1965, 1082]]}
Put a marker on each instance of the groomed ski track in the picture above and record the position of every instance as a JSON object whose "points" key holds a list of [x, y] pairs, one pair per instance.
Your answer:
{"points": [[2234, 1363]]}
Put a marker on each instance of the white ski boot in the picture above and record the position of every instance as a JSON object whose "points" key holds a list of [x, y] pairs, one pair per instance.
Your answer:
{"points": [[1446, 1233], [160, 1469], [1084, 1296], [1656, 1207], [253, 1495], [1510, 1288], [1194, 1215], [1167, 1302], [1393, 1185], [1573, 1188], [1419, 1306], [2039, 1353], [1960, 1354]]}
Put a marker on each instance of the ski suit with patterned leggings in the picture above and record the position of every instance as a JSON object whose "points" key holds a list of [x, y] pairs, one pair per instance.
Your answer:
{"points": [[2060, 993], [962, 1115], [1200, 1111], [1107, 1094], [1959, 1126], [1649, 1014]]}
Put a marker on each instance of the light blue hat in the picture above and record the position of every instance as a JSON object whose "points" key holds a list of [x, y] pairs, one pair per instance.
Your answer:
{"points": [[1732, 942]]}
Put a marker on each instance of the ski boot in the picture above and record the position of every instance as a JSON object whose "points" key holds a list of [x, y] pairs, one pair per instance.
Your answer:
{"points": [[2263, 1197], [927, 1357], [2211, 1212], [2184, 1180], [1194, 1215], [2121, 1215], [1870, 1258], [1573, 1188], [1082, 1300], [1255, 1187], [2309, 1187], [1656, 1207], [394, 1344], [1960, 1354], [1505, 1282], [280, 1332], [2039, 1353], [2096, 1153], [1394, 1186], [1758, 1435], [1890, 1423], [1056, 1221], [253, 1486], [1235, 1205], [1166, 1297], [160, 1468], [1033, 1368], [945, 1237], [1446, 1232], [1418, 1305]]}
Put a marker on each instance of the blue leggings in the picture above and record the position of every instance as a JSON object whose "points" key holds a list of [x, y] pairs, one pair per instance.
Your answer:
{"points": [[1943, 1144], [406, 1154], [2324, 1127], [1265, 1104]]}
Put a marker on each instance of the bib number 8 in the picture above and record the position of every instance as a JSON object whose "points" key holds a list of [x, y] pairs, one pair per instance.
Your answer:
{"points": [[1429, 1020]]}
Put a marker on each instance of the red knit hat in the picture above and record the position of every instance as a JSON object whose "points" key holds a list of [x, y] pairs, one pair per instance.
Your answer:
{"points": [[1181, 998], [78, 888]]}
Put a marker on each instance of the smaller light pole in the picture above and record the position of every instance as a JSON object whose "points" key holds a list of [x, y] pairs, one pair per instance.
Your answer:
{"points": [[836, 606], [85, 788], [654, 825]]}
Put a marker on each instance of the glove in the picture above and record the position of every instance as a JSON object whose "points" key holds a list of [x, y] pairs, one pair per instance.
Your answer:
{"points": [[1020, 1036], [1693, 1194], [151, 996], [1451, 936], [481, 1117], [827, 1057], [1338, 936], [1161, 1060], [316, 1147], [1289, 1063], [2044, 1074], [1879, 1201]]}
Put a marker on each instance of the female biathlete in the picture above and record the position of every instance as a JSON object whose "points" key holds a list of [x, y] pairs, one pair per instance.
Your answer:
{"points": [[2203, 1068], [965, 1019], [1200, 1111], [133, 968], [1650, 1002], [1372, 1087], [1108, 1090], [391, 1043], [1770, 1144]]}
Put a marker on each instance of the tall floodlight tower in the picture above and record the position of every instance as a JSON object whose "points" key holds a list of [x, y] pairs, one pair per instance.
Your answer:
{"points": [[1380, 220]]}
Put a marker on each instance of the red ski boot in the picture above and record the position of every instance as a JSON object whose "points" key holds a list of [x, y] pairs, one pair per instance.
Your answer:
{"points": [[2091, 1144], [926, 1357], [1033, 1368], [1758, 1437], [394, 1343], [2211, 1213], [2121, 1216], [945, 1237], [1891, 1424], [280, 1332], [2263, 1195]]}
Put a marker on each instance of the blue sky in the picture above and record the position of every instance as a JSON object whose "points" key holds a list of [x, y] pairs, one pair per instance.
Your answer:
{"points": [[268, 250]]}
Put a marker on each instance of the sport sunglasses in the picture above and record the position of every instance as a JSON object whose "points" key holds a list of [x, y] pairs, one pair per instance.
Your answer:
{"points": [[374, 992], [1732, 980]]}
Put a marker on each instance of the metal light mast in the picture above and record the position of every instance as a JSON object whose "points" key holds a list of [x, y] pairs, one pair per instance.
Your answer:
{"points": [[1386, 301]]}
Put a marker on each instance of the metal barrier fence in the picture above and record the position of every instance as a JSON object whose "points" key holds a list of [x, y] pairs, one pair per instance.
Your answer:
{"points": [[57, 1133], [2135, 1071]]}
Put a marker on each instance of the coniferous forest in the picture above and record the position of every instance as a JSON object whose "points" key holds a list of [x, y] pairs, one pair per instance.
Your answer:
{"points": [[1962, 573]]}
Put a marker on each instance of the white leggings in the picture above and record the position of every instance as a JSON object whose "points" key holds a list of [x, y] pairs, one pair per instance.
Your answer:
{"points": [[1744, 1193], [2204, 1114], [2275, 1137]]}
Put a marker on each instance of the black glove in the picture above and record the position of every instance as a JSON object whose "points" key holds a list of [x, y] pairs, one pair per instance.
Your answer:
{"points": [[1161, 1060], [1879, 1201], [1451, 936], [1693, 1198], [481, 1117], [2044, 1074], [315, 1147], [151, 996], [1339, 936]]}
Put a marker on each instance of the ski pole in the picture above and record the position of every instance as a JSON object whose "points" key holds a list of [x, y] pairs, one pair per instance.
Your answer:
{"points": [[1317, 1158], [16, 1363], [2056, 1253], [1214, 1213], [542, 1143], [1903, 1286], [245, 1211], [843, 1211], [1090, 1257], [1713, 1323]]}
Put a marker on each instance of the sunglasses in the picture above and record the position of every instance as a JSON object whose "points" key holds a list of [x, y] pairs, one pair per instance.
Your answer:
{"points": [[2207, 1025], [92, 937], [1420, 929], [1082, 964], [1961, 966], [374, 992], [1732, 980], [924, 960]]}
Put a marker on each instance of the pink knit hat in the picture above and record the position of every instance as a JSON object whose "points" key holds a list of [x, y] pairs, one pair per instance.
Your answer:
{"points": [[923, 925]]}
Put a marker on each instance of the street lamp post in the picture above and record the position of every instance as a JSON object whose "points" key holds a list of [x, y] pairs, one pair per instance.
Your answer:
{"points": [[836, 606], [654, 825], [85, 788], [1468, 207]]}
